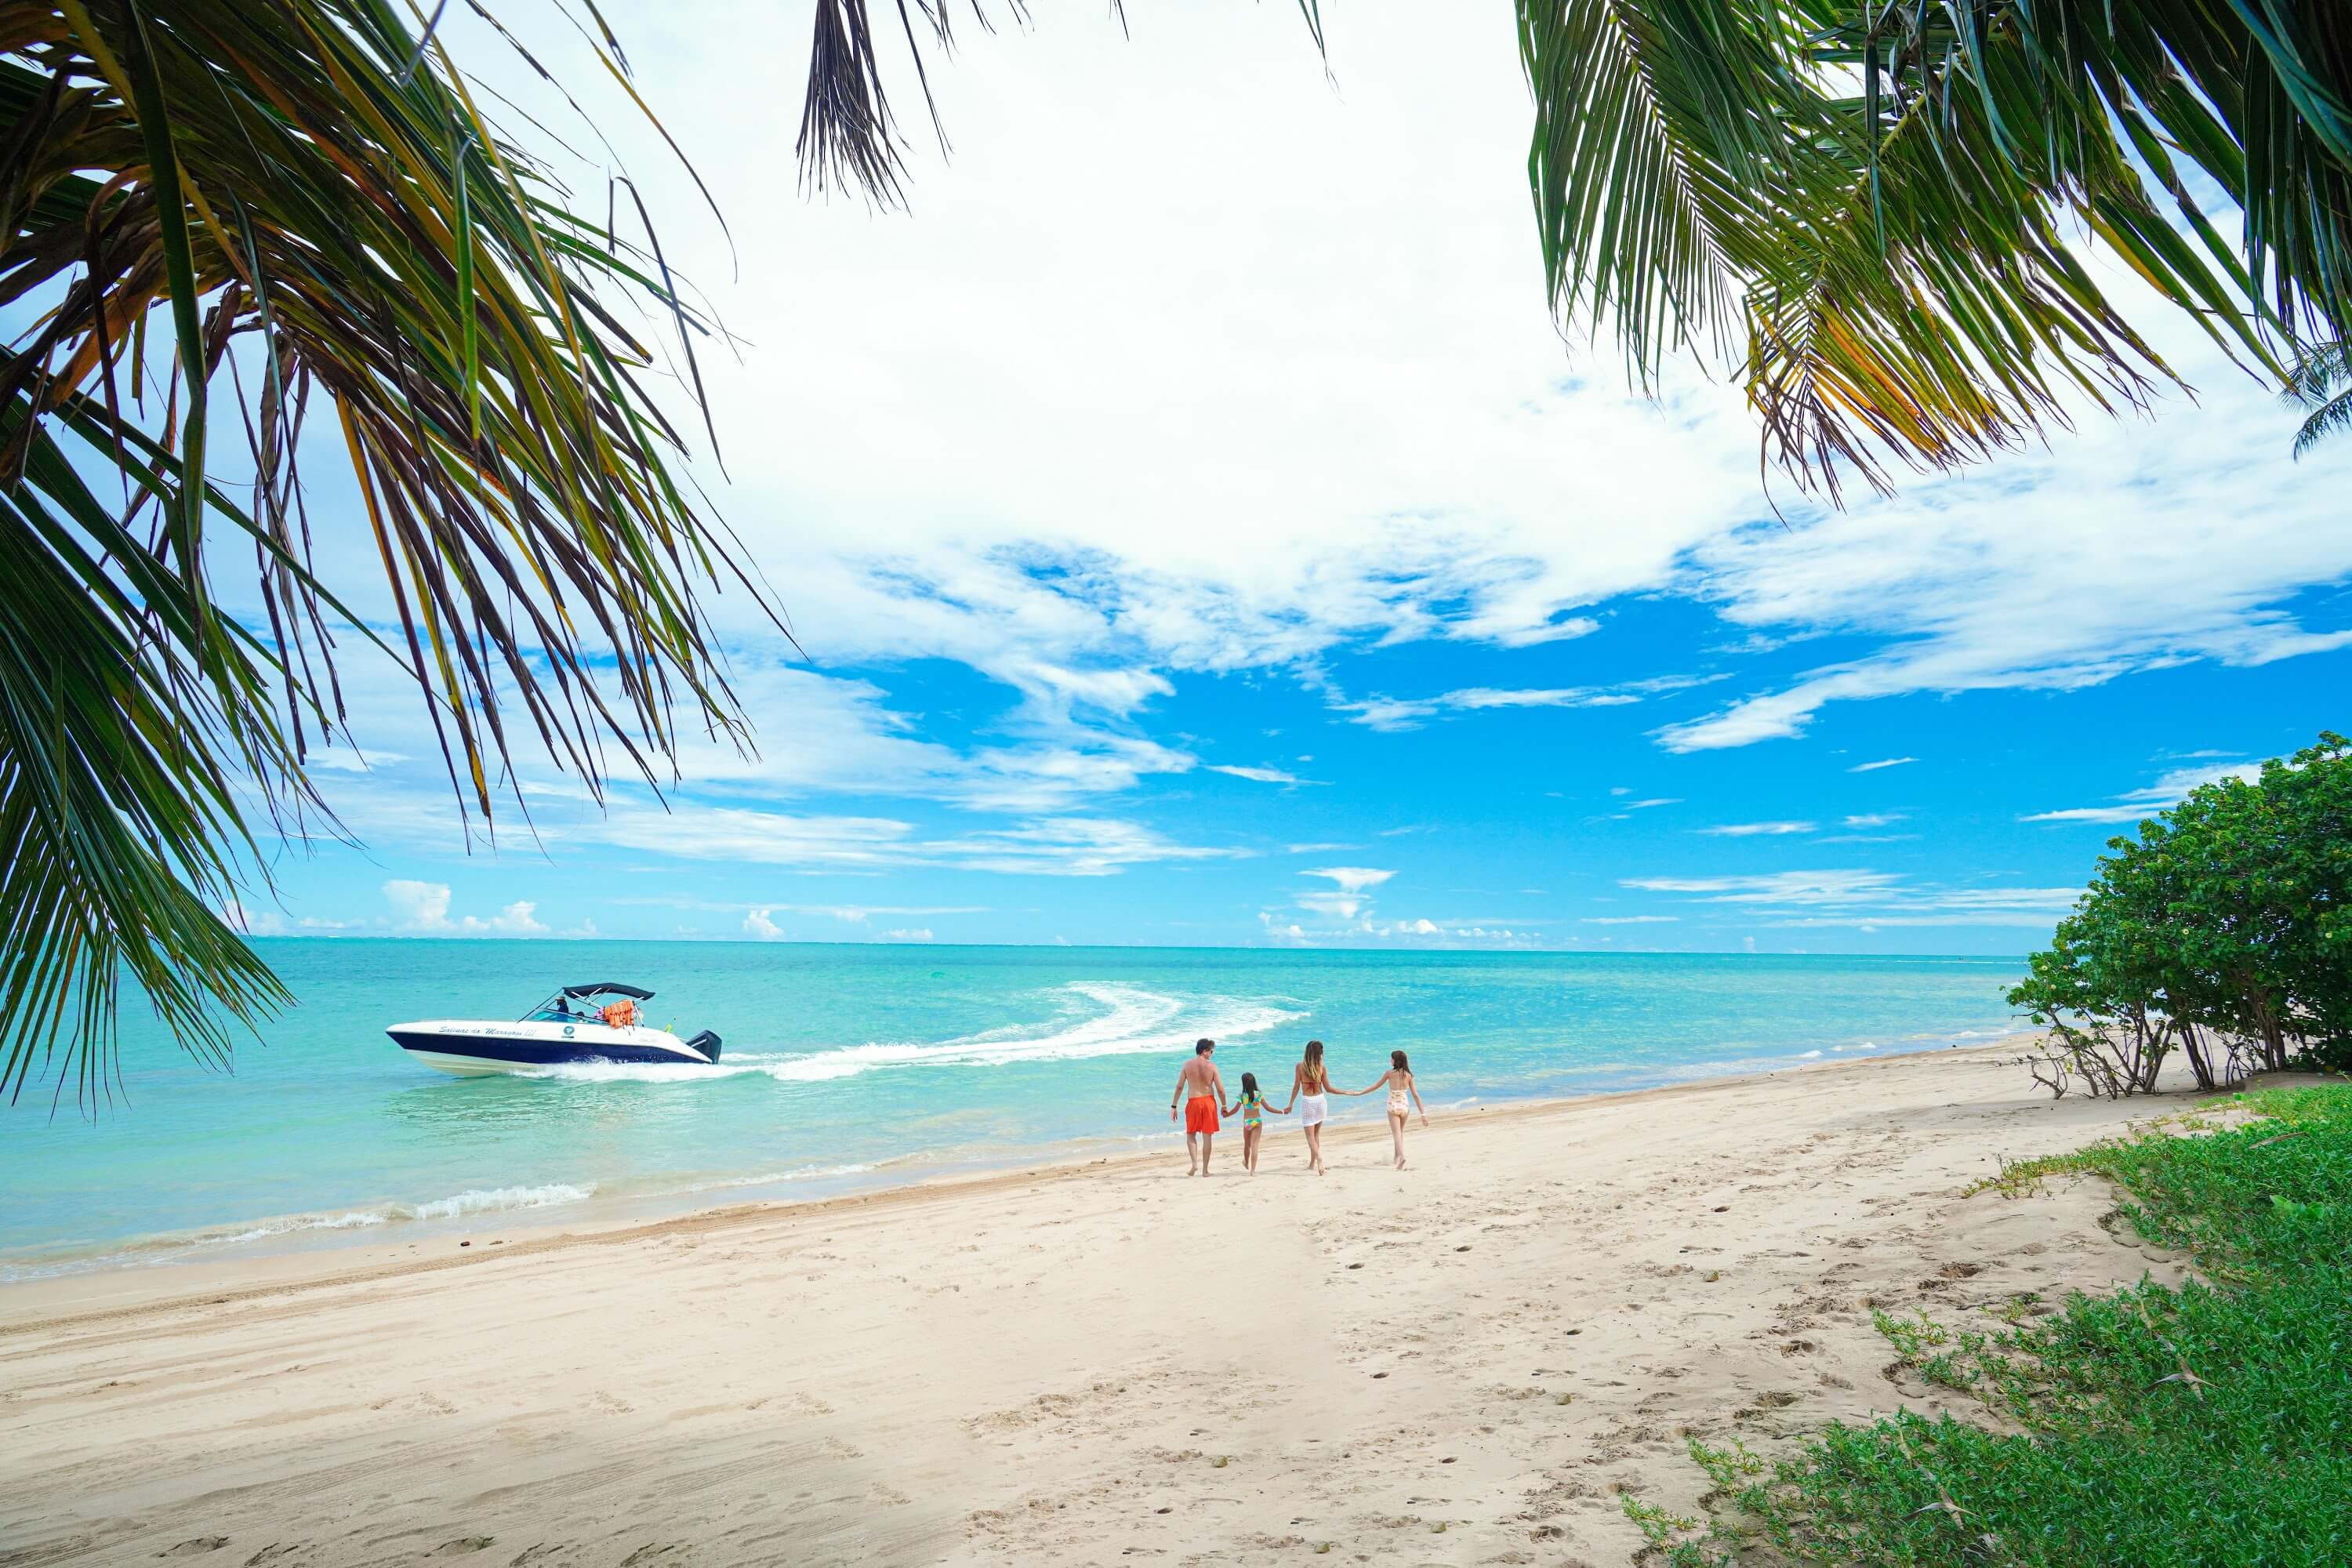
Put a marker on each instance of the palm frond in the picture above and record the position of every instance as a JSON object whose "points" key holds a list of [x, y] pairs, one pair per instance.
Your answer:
{"points": [[2321, 382], [849, 136], [1659, 127], [304, 193], [1891, 209]]}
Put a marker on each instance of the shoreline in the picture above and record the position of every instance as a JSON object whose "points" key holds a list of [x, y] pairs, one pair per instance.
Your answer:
{"points": [[1067, 1363], [321, 1259]]}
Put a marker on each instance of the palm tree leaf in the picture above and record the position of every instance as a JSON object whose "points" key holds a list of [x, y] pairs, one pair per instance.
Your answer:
{"points": [[301, 181], [1659, 129], [1887, 209]]}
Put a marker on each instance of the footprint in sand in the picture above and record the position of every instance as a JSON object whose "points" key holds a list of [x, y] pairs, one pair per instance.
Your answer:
{"points": [[463, 1546], [196, 1547]]}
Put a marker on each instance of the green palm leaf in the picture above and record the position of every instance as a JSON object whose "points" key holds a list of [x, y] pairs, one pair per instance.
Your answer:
{"points": [[302, 178], [1888, 190], [2322, 384]]}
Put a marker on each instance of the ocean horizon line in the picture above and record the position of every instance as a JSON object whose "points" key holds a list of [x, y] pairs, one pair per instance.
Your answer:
{"points": [[551, 938]]}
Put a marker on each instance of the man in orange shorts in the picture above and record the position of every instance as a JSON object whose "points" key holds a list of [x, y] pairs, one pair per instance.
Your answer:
{"points": [[1198, 1090]]}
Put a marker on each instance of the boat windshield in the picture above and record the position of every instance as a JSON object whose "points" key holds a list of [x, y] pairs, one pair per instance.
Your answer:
{"points": [[559, 1009], [580, 1004]]}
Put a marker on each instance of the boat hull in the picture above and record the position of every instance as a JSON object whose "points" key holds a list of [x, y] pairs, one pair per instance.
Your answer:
{"points": [[471, 1051]]}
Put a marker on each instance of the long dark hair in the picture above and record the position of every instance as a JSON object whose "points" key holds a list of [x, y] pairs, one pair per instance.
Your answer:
{"points": [[1396, 1060], [1249, 1087], [1316, 1077]]}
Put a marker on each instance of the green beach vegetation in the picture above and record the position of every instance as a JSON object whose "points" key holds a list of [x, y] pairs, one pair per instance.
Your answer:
{"points": [[2204, 1427], [2222, 930]]}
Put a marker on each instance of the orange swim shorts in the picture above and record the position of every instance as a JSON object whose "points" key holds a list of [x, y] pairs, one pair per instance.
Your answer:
{"points": [[1201, 1114]]}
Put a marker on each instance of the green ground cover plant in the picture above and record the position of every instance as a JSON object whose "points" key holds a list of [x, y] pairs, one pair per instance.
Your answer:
{"points": [[2210, 1425]]}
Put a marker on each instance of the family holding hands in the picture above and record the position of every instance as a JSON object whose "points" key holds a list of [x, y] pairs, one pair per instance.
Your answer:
{"points": [[1201, 1101]]}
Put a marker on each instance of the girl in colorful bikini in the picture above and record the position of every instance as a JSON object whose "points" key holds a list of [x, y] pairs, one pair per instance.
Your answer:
{"points": [[1251, 1107]]}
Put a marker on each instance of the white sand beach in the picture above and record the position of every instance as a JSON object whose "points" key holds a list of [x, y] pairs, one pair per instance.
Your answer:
{"points": [[1458, 1363]]}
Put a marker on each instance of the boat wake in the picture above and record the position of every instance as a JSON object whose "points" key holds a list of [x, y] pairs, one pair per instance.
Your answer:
{"points": [[1117, 1020]]}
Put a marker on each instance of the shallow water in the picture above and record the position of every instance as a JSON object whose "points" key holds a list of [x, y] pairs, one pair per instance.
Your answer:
{"points": [[851, 1065]]}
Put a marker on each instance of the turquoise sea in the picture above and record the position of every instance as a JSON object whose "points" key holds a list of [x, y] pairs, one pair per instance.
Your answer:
{"points": [[853, 1066]]}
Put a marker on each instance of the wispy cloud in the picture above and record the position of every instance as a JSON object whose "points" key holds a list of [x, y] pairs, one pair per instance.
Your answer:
{"points": [[1852, 898], [1757, 829], [1396, 713], [1873, 819], [1837, 886], [1352, 879], [1973, 582], [1257, 776], [1882, 762], [1352, 884], [2150, 799], [1054, 846]]}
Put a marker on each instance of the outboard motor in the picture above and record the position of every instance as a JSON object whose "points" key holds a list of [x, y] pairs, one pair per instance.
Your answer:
{"points": [[707, 1043]]}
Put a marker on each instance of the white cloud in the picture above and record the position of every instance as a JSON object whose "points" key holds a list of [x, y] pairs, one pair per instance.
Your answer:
{"points": [[919, 933], [858, 914], [1349, 903], [343, 759], [1392, 714], [2020, 577], [422, 908], [418, 906], [252, 921], [1882, 762], [1850, 897], [2150, 799], [1775, 886], [1755, 829], [1352, 879], [1873, 819], [1060, 845], [518, 919], [1257, 776], [756, 924]]}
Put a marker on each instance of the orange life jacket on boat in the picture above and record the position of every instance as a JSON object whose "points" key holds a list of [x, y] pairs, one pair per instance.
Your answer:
{"points": [[621, 1015]]}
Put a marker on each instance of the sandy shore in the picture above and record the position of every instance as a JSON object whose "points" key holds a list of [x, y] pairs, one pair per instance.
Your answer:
{"points": [[1459, 1364]]}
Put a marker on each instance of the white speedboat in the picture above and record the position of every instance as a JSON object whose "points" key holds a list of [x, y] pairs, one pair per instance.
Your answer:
{"points": [[575, 1025]]}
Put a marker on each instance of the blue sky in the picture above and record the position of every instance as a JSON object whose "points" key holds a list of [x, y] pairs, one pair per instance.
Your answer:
{"points": [[1201, 534]]}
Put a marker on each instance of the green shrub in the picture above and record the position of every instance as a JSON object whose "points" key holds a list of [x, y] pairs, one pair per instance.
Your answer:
{"points": [[2224, 930]]}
